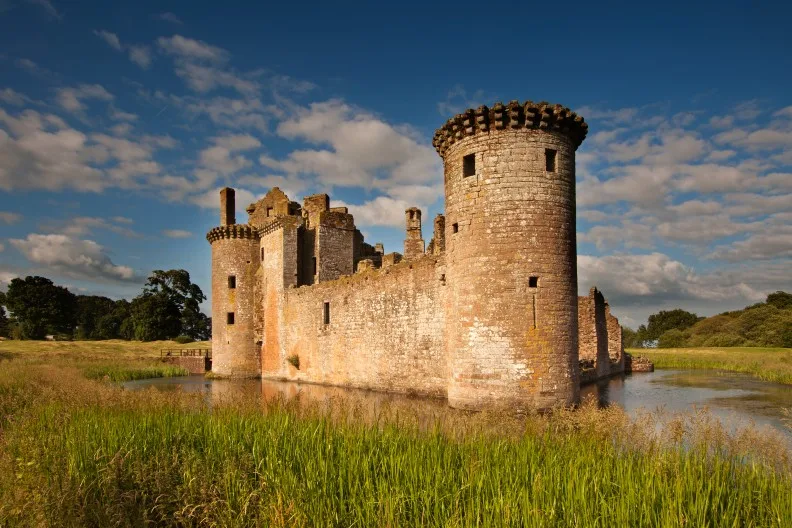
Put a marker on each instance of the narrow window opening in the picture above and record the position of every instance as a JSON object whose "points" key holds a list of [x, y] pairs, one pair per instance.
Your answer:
{"points": [[455, 228], [533, 282], [230, 318], [262, 254], [231, 282], [313, 261], [534, 310], [326, 312], [469, 165], [269, 211], [550, 160]]}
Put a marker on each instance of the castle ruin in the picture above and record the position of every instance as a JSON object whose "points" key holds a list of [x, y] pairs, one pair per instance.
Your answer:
{"points": [[486, 315]]}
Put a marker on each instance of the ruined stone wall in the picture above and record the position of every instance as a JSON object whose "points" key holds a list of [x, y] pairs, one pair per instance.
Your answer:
{"points": [[615, 342], [335, 242], [510, 343], [593, 332], [386, 330], [234, 253]]}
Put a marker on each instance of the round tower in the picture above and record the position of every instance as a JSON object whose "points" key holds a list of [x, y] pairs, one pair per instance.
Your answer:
{"points": [[235, 259], [511, 312]]}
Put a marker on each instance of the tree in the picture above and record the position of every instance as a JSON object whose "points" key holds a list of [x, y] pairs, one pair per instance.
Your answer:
{"points": [[179, 289], [116, 324], [154, 316], [781, 300], [90, 309], [664, 321], [40, 307], [629, 337], [5, 326]]}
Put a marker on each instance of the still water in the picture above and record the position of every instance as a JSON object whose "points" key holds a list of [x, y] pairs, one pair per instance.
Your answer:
{"points": [[736, 399]]}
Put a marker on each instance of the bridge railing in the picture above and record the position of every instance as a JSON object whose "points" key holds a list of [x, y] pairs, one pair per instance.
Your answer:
{"points": [[194, 352]]}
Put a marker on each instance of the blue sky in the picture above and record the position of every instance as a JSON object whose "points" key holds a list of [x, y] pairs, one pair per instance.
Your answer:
{"points": [[120, 121]]}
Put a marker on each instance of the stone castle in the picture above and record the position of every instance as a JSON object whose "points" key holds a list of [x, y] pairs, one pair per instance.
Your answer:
{"points": [[487, 314]]}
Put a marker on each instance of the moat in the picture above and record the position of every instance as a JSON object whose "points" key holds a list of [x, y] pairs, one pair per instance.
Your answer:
{"points": [[735, 399]]}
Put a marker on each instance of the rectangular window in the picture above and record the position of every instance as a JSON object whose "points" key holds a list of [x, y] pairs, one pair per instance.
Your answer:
{"points": [[231, 282], [230, 318], [533, 282], [469, 165], [313, 260], [262, 254], [455, 228], [550, 160], [326, 312], [269, 211]]}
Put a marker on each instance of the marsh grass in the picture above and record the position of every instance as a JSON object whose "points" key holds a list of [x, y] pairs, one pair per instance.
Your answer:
{"points": [[77, 452], [120, 373], [769, 364]]}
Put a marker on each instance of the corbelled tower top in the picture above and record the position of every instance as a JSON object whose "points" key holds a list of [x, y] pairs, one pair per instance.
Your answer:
{"points": [[514, 115]]}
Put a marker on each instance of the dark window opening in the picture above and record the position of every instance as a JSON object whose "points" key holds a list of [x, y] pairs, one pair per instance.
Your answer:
{"points": [[455, 228], [550, 160], [326, 312], [232, 282], [269, 211], [313, 260], [262, 254], [469, 165], [533, 282], [230, 318]]}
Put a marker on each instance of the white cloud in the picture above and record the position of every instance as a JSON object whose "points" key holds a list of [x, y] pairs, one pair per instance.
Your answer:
{"points": [[48, 7], [140, 55], [34, 69], [110, 38], [177, 233], [381, 211], [192, 49], [12, 97], [628, 235], [8, 217], [71, 99], [84, 225], [221, 157], [784, 112], [170, 17], [82, 259]]}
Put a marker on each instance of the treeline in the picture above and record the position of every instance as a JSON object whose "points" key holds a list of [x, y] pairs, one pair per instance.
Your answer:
{"points": [[766, 324], [167, 308]]}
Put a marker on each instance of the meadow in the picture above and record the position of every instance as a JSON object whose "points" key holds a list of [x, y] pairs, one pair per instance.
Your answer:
{"points": [[769, 364], [76, 451]]}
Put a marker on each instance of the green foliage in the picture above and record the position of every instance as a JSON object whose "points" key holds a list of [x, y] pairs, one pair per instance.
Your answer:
{"points": [[40, 307], [629, 337], [781, 300], [116, 323], [672, 339], [90, 310], [183, 340], [762, 324], [154, 317], [5, 324], [119, 373], [177, 287], [294, 360]]}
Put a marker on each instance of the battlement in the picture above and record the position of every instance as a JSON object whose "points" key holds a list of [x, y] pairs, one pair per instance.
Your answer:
{"points": [[514, 115], [232, 231]]}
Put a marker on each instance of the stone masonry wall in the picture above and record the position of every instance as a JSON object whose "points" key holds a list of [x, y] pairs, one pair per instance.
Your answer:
{"points": [[386, 331], [510, 343], [615, 343], [593, 332]]}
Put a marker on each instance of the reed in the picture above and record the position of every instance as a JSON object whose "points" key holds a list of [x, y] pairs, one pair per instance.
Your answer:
{"points": [[769, 364], [120, 373], [78, 452]]}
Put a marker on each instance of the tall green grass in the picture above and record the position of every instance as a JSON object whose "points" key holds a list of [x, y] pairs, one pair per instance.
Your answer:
{"points": [[121, 373], [82, 453], [769, 364]]}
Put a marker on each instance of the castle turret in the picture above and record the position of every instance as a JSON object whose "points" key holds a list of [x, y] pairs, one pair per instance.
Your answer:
{"points": [[511, 308], [235, 259], [414, 243]]}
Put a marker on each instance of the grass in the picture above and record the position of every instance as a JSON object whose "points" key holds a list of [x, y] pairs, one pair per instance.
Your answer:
{"points": [[120, 373], [78, 452], [769, 364]]}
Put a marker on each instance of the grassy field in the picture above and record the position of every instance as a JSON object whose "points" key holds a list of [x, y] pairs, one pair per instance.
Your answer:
{"points": [[770, 364], [83, 452]]}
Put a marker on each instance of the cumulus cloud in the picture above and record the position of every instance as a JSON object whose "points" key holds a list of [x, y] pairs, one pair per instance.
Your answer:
{"points": [[71, 99], [192, 49], [81, 259], [221, 156], [8, 217], [358, 149], [139, 54], [177, 233], [12, 97]]}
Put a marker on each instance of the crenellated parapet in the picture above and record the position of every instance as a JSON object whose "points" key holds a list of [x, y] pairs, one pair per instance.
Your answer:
{"points": [[232, 231], [514, 115]]}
